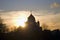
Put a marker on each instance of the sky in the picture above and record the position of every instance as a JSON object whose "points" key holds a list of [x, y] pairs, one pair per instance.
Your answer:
{"points": [[46, 11], [28, 4]]}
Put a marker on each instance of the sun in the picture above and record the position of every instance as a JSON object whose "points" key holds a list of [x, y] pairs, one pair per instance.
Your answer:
{"points": [[20, 21]]}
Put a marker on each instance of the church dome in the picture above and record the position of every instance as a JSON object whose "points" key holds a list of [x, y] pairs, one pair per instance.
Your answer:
{"points": [[31, 18]]}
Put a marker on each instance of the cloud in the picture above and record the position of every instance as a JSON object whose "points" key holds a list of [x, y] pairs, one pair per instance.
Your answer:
{"points": [[53, 21], [47, 17], [8, 16], [51, 18], [1, 10], [55, 5]]}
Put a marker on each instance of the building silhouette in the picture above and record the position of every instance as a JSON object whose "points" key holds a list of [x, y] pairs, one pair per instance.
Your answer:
{"points": [[31, 18], [32, 24]]}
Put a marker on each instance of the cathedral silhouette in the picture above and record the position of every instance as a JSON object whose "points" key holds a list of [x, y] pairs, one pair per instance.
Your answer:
{"points": [[32, 25]]}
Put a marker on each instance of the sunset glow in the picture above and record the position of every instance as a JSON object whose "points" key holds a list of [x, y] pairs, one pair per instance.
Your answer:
{"points": [[20, 21]]}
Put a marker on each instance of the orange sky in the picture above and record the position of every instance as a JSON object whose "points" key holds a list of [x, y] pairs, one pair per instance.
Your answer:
{"points": [[52, 20]]}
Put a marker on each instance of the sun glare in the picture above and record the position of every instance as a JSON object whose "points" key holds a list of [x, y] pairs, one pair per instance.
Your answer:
{"points": [[20, 21]]}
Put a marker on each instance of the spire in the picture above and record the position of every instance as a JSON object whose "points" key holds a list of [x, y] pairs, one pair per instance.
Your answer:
{"points": [[31, 18]]}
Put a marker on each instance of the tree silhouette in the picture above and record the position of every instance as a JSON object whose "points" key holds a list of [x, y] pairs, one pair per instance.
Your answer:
{"points": [[44, 26], [2, 26]]}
